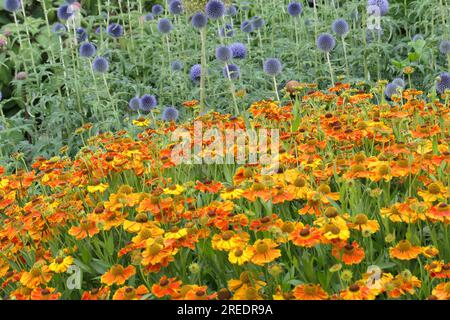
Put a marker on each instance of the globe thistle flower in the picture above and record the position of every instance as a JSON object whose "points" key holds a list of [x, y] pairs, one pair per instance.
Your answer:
{"points": [[100, 65], [231, 11], [233, 70], [176, 7], [443, 83], [81, 34], [59, 29], [417, 37], [149, 17], [199, 20], [164, 26], [11, 5], [340, 27], [157, 9], [224, 53], [170, 114], [195, 73], [1, 96], [390, 90], [239, 50], [176, 66], [64, 12], [134, 103], [115, 30], [247, 26], [272, 67], [22, 75], [325, 42], [444, 47], [258, 22], [383, 5], [215, 9], [147, 102], [399, 82], [295, 9], [87, 50], [227, 31]]}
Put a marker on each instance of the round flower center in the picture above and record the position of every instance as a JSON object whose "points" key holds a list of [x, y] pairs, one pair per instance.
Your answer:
{"points": [[251, 293], [238, 253], [324, 188], [383, 169], [305, 232], [331, 212], [310, 289], [45, 292], [141, 218], [404, 245], [223, 294], [357, 168], [288, 227], [434, 188], [332, 228], [155, 249], [146, 233], [227, 235], [299, 182], [130, 292], [354, 288], [35, 272], [262, 247], [200, 293], [117, 270], [59, 260], [361, 219], [163, 282]]}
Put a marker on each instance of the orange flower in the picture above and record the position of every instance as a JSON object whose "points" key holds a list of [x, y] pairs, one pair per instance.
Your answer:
{"points": [[44, 294], [348, 253], [38, 275], [228, 240], [442, 291], [130, 293], [209, 186], [435, 191], [357, 292], [363, 224], [404, 250], [265, 252], [118, 275], [309, 292], [166, 287], [85, 229], [96, 294], [305, 236]]}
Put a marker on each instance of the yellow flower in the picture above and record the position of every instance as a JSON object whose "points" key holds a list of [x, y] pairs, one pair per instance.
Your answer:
{"points": [[101, 187], [60, 265], [240, 256], [174, 190], [231, 193], [141, 122]]}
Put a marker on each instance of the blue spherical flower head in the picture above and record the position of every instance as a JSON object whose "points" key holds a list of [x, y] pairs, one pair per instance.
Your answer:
{"points": [[195, 73], [81, 34], [59, 29], [176, 7], [224, 53], [115, 30], [326, 42], [272, 67], [399, 82], [383, 5], [444, 83], [247, 26], [239, 50], [391, 89], [215, 9], [100, 65], [233, 70], [87, 50], [258, 22], [11, 5], [199, 20], [157, 9], [231, 11], [170, 114], [134, 103], [147, 102], [295, 9], [340, 27], [444, 47], [64, 12], [164, 26], [417, 37], [227, 31], [149, 17], [176, 66]]}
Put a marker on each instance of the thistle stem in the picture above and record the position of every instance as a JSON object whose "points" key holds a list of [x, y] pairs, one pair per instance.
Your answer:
{"points": [[275, 85], [331, 69]]}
